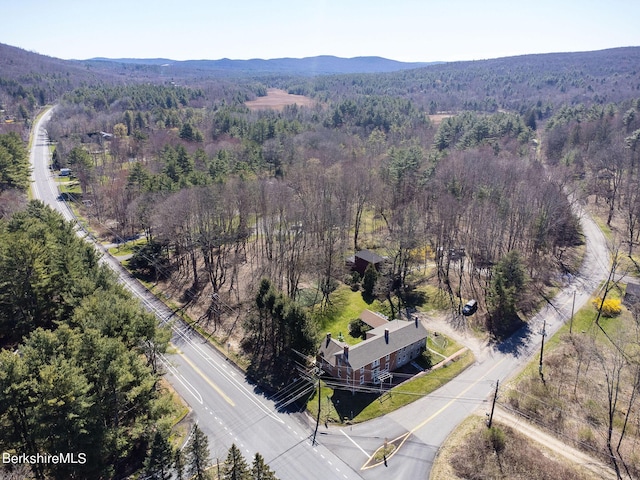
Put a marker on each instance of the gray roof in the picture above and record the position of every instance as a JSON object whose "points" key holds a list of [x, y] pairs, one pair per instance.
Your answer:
{"points": [[401, 334], [632, 293], [369, 256]]}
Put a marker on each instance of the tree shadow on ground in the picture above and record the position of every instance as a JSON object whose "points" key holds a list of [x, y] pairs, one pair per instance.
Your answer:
{"points": [[368, 298], [415, 298], [514, 343]]}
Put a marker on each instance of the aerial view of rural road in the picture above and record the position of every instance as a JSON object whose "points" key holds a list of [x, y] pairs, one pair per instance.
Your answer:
{"points": [[230, 410]]}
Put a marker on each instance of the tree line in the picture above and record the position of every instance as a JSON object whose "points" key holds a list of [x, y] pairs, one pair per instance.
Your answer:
{"points": [[194, 462], [14, 173], [599, 146]]}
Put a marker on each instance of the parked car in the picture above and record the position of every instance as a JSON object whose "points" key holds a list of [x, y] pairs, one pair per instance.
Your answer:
{"points": [[470, 308]]}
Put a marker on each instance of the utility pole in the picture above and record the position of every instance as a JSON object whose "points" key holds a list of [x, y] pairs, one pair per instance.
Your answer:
{"points": [[573, 306], [543, 333], [493, 405], [315, 432]]}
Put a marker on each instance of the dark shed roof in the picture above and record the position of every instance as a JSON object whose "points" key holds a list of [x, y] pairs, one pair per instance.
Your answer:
{"points": [[369, 256]]}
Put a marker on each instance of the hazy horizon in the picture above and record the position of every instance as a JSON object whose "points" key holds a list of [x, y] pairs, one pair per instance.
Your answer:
{"points": [[406, 31]]}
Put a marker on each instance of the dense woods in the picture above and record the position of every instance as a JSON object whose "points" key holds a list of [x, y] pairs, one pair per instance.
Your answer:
{"points": [[463, 176], [79, 367]]}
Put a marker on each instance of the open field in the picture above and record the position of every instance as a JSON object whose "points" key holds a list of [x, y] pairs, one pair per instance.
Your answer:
{"points": [[277, 99]]}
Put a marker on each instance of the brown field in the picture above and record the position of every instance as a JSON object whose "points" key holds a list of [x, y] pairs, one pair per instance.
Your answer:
{"points": [[277, 99], [437, 118]]}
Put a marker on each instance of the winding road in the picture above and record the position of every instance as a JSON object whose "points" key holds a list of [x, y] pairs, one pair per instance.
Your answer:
{"points": [[230, 410]]}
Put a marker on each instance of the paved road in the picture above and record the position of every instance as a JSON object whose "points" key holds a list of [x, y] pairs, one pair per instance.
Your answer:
{"points": [[229, 410], [226, 406]]}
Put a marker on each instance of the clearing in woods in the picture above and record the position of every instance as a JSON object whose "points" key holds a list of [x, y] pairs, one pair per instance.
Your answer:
{"points": [[277, 99]]}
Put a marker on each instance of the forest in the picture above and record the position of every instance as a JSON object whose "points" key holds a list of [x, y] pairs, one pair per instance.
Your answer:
{"points": [[464, 176], [224, 196]]}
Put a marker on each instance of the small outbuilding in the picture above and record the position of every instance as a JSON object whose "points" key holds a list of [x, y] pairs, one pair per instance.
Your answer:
{"points": [[632, 294], [364, 258]]}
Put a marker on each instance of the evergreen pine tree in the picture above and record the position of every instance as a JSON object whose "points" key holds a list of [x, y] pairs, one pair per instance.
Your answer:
{"points": [[178, 464], [198, 454], [260, 470], [158, 463], [235, 466], [369, 281]]}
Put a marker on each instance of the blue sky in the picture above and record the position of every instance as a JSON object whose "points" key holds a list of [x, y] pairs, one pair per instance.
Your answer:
{"points": [[406, 30]]}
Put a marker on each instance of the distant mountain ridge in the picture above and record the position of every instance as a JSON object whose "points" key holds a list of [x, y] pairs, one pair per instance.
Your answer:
{"points": [[308, 66]]}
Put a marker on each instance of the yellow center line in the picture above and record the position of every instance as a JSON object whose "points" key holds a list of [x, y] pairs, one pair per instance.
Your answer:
{"points": [[208, 380], [442, 409], [418, 427]]}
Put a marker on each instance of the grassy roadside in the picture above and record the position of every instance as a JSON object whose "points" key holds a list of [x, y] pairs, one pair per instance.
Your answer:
{"points": [[336, 405], [499, 453]]}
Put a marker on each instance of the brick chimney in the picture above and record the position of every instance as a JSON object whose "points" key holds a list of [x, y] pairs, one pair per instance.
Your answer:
{"points": [[328, 339], [386, 335], [346, 351]]}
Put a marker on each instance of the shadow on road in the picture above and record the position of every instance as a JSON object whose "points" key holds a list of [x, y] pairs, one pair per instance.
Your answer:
{"points": [[514, 345]]}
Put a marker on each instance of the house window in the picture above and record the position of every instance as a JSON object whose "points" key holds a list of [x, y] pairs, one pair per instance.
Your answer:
{"points": [[388, 357], [361, 379], [361, 370], [386, 366], [348, 371], [339, 372], [375, 363]]}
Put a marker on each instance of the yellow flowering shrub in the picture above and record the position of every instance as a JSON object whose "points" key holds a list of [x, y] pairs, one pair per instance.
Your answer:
{"points": [[611, 307]]}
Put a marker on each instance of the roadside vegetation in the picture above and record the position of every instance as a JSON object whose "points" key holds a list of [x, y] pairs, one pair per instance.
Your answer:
{"points": [[590, 386], [475, 452], [80, 364]]}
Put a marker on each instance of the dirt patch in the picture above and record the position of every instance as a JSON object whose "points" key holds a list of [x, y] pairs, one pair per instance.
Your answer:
{"points": [[277, 99], [437, 118]]}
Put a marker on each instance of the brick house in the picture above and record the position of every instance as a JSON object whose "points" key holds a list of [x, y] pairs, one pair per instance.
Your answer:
{"points": [[386, 348]]}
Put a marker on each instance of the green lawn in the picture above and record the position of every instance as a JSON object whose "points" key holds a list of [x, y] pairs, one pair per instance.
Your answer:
{"points": [[126, 248], [72, 186], [345, 305], [434, 299], [442, 345]]}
